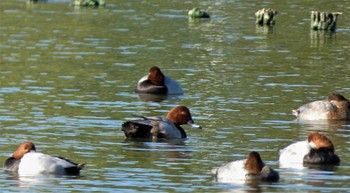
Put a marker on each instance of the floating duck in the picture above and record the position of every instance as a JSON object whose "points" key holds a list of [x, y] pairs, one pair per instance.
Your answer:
{"points": [[250, 169], [27, 162], [317, 149], [161, 127], [157, 83], [335, 107], [197, 13]]}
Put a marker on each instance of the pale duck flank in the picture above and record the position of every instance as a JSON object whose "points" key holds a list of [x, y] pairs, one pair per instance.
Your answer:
{"points": [[34, 163]]}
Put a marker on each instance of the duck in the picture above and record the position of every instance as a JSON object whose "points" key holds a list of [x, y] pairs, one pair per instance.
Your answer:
{"points": [[168, 127], [250, 169], [27, 162], [197, 13], [335, 107], [89, 3], [156, 82], [317, 149]]}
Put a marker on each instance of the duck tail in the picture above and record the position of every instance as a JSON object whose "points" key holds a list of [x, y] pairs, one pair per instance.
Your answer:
{"points": [[81, 166]]}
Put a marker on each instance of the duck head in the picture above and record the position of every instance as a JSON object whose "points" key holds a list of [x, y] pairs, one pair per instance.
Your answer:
{"points": [[336, 97], [181, 115], [317, 141], [340, 102], [254, 164], [156, 76], [22, 149]]}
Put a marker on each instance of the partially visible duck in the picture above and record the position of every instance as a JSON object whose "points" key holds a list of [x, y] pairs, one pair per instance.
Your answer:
{"points": [[197, 13], [250, 169], [27, 162], [157, 83], [89, 3], [335, 107], [161, 127], [317, 149]]}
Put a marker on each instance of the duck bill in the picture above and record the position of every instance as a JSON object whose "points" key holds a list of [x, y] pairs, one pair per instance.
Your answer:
{"points": [[193, 125]]}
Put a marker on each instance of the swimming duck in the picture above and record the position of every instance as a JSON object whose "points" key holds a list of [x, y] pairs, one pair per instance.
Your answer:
{"points": [[157, 83], [250, 169], [317, 149], [161, 127], [335, 107], [197, 13], [89, 3], [27, 162]]}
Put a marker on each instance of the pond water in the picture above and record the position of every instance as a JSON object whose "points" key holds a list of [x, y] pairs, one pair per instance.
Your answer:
{"points": [[67, 76]]}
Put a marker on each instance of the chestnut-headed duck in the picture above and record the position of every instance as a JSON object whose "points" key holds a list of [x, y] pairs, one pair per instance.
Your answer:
{"points": [[335, 107], [158, 83], [250, 169], [27, 162], [161, 127], [317, 149]]}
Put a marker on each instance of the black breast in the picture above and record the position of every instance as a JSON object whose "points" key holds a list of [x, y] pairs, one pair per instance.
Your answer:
{"points": [[321, 156], [11, 164], [146, 87]]}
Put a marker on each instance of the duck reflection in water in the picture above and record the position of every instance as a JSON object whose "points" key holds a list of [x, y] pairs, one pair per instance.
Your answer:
{"points": [[170, 148], [157, 97], [29, 181], [324, 125]]}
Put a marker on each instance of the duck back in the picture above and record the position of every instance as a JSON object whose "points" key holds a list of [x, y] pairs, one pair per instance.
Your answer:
{"points": [[152, 127], [137, 129], [173, 87], [231, 171], [316, 110], [74, 169], [38, 163], [294, 153]]}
